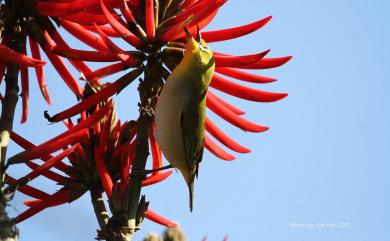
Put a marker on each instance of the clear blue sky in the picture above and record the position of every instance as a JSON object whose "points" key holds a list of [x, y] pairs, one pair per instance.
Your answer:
{"points": [[324, 160]]}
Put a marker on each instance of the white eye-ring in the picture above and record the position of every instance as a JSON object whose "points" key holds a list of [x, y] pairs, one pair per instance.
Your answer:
{"points": [[203, 48]]}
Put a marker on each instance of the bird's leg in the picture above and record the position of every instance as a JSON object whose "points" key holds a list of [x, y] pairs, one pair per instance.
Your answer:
{"points": [[146, 172]]}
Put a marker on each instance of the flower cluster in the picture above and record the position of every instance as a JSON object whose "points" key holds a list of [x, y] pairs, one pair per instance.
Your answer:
{"points": [[100, 148]]}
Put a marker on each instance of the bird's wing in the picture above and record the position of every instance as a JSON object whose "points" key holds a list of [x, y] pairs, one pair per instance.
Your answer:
{"points": [[193, 139]]}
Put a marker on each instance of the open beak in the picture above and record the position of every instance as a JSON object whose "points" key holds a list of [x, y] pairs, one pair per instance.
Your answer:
{"points": [[188, 35], [198, 35]]}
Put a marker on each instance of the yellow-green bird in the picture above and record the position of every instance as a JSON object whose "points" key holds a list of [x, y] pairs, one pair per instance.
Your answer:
{"points": [[181, 110]]}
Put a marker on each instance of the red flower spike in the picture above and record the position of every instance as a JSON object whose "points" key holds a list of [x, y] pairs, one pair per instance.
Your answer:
{"points": [[236, 32], [122, 31], [100, 96], [28, 190], [84, 35], [84, 55], [244, 76], [60, 197], [9, 55], [244, 92], [226, 104], [46, 148], [231, 117], [25, 144], [268, 63], [39, 70], [149, 19], [224, 60], [159, 219], [223, 138], [216, 150], [103, 173], [58, 9], [25, 93], [47, 165], [153, 179]]}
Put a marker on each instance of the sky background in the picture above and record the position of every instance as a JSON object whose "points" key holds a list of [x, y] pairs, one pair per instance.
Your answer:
{"points": [[324, 160]]}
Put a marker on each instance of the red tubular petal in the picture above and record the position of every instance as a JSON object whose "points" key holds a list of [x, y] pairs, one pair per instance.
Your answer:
{"points": [[84, 55], [216, 150], [108, 30], [152, 216], [28, 190], [25, 92], [236, 32], [126, 12], [9, 55], [106, 71], [88, 122], [153, 179], [48, 174], [130, 60], [195, 14], [84, 35], [58, 198], [39, 70], [201, 20], [122, 30], [47, 148], [231, 117], [149, 19], [25, 144], [223, 60], [3, 66], [156, 152], [57, 9], [223, 138], [244, 76], [268, 63], [94, 99], [85, 18], [226, 104], [187, 3], [104, 136], [47, 165], [103, 173], [244, 92]]}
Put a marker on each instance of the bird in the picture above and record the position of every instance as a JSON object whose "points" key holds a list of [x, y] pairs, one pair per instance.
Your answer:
{"points": [[181, 110]]}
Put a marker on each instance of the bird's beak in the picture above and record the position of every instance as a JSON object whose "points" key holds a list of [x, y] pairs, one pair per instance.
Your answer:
{"points": [[188, 35], [198, 35]]}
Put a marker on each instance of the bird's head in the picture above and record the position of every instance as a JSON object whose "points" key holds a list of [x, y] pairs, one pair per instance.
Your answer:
{"points": [[198, 48]]}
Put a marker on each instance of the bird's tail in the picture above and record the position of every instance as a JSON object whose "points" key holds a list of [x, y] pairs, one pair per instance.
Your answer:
{"points": [[191, 192]]}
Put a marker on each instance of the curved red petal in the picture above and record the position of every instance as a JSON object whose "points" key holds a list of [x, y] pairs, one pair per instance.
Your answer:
{"points": [[244, 92], [225, 103], [159, 219], [223, 138], [268, 63], [244, 76], [224, 60], [235, 32], [216, 150]]}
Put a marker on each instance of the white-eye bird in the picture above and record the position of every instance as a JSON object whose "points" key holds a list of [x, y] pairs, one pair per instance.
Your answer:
{"points": [[181, 110]]}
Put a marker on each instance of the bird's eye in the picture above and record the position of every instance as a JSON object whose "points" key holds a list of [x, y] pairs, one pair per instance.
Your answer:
{"points": [[203, 48]]}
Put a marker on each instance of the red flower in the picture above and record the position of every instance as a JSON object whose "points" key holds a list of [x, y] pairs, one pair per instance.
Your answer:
{"points": [[158, 28]]}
